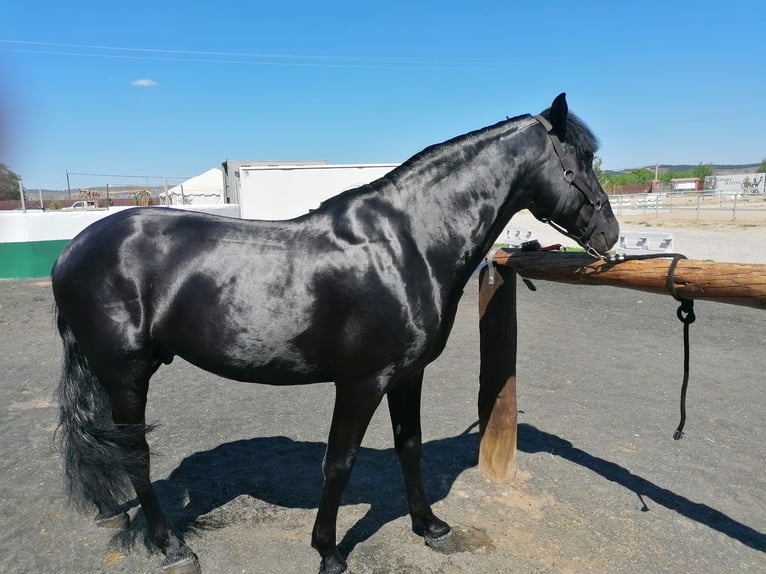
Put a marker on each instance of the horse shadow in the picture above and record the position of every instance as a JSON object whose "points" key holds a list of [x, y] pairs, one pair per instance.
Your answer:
{"points": [[280, 472], [534, 440]]}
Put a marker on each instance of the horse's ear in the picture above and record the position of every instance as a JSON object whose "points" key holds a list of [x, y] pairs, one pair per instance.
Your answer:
{"points": [[559, 113]]}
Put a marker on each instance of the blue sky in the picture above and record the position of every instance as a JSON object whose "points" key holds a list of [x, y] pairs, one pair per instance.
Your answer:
{"points": [[173, 88]]}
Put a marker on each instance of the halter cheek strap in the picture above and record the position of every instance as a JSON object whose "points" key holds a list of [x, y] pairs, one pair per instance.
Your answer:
{"points": [[569, 178], [571, 174], [572, 177]]}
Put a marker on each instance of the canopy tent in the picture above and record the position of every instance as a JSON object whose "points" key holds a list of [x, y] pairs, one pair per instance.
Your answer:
{"points": [[206, 188]]}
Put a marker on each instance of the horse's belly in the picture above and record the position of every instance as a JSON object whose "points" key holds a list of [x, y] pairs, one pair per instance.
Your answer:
{"points": [[254, 367]]}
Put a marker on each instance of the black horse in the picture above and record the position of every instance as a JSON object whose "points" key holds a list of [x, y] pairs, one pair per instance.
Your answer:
{"points": [[362, 292]]}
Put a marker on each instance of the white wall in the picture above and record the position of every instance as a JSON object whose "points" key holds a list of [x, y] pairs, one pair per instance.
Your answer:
{"points": [[17, 226], [284, 192]]}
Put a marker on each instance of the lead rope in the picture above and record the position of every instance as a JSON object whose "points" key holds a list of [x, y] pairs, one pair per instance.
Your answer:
{"points": [[685, 312]]}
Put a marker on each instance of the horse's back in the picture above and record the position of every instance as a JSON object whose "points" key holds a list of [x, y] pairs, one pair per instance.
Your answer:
{"points": [[136, 241], [227, 295], [105, 282], [273, 302]]}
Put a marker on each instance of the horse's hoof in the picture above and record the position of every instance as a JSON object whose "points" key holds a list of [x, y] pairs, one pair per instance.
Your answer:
{"points": [[120, 521], [187, 565], [444, 544], [334, 565]]}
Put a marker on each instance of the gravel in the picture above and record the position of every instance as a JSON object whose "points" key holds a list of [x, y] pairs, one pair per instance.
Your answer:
{"points": [[600, 484]]}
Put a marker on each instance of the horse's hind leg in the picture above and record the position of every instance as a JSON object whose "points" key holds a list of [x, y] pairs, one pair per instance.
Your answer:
{"points": [[128, 402], [111, 515], [355, 404], [404, 407]]}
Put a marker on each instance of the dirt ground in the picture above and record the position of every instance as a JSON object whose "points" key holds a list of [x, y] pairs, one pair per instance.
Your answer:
{"points": [[600, 486], [714, 237]]}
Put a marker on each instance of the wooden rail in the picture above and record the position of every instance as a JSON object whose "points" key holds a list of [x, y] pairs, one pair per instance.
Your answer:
{"points": [[734, 283]]}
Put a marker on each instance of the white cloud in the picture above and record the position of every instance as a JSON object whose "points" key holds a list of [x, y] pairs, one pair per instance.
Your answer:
{"points": [[144, 83]]}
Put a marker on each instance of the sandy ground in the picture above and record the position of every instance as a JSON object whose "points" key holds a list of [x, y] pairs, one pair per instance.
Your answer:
{"points": [[600, 485], [715, 237]]}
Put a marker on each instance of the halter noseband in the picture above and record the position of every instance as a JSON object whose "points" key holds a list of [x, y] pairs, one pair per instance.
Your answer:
{"points": [[574, 179]]}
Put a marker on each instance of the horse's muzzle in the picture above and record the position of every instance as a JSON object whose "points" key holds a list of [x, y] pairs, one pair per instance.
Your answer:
{"points": [[603, 240]]}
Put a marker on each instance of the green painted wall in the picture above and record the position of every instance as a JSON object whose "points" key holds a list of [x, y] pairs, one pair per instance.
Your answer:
{"points": [[29, 259]]}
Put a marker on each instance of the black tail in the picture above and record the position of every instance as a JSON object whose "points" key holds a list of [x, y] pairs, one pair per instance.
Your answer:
{"points": [[98, 455]]}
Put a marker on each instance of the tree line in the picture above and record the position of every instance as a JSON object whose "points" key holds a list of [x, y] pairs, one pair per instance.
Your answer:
{"points": [[643, 176], [9, 183]]}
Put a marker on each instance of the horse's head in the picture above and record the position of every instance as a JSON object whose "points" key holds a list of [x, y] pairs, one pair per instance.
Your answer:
{"points": [[567, 193]]}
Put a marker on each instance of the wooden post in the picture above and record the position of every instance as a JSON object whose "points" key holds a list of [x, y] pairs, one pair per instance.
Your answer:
{"points": [[497, 377], [734, 283]]}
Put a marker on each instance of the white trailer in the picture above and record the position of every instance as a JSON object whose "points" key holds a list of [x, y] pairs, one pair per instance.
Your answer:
{"points": [[287, 190]]}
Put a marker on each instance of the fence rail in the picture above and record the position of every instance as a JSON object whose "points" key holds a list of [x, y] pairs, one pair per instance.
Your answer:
{"points": [[698, 201]]}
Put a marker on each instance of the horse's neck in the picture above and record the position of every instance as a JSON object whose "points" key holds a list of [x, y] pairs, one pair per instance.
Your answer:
{"points": [[462, 194]]}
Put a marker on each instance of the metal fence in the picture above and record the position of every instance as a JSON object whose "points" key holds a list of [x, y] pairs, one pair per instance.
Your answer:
{"points": [[695, 204]]}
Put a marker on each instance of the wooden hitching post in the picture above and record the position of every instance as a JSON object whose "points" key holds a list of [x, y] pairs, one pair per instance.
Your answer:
{"points": [[497, 376]]}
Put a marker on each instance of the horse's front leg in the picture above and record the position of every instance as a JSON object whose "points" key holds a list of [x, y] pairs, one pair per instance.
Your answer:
{"points": [[404, 407], [355, 404]]}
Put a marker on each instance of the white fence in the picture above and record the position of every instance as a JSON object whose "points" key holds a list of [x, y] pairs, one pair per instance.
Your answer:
{"points": [[700, 202], [637, 242], [516, 236]]}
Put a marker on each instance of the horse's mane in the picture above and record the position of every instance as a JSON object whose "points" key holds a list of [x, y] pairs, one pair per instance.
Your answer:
{"points": [[425, 158], [578, 134]]}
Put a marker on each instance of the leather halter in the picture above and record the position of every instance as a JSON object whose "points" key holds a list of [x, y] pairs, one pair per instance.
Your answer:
{"points": [[574, 179]]}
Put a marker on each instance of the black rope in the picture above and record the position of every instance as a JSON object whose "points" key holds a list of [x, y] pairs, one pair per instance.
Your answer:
{"points": [[685, 314]]}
